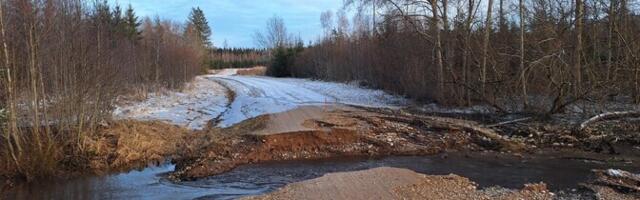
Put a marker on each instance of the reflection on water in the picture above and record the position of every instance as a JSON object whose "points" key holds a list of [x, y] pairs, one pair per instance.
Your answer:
{"points": [[486, 170]]}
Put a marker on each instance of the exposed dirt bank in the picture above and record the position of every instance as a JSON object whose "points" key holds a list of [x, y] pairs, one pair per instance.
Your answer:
{"points": [[332, 133], [394, 183], [128, 144]]}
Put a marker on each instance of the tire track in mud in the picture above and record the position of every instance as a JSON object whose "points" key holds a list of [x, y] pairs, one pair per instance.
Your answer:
{"points": [[254, 96], [231, 96]]}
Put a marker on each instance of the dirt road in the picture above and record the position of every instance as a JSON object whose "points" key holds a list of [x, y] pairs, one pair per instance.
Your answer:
{"points": [[232, 98]]}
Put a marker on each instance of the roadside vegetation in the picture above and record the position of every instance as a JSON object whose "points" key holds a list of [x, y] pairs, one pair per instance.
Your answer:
{"points": [[531, 56], [64, 63], [236, 58]]}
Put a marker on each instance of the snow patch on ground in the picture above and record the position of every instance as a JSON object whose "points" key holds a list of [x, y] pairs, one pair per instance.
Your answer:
{"points": [[201, 101], [206, 99], [351, 93], [256, 95]]}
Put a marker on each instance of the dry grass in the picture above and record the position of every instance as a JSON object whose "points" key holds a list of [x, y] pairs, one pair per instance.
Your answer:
{"points": [[128, 144], [116, 146], [254, 71]]}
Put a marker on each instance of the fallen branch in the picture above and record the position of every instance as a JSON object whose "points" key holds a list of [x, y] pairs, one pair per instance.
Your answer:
{"points": [[509, 122], [472, 127], [447, 123], [608, 116], [618, 179]]}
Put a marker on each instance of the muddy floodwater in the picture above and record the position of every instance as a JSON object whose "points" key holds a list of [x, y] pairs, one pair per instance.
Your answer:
{"points": [[560, 173]]}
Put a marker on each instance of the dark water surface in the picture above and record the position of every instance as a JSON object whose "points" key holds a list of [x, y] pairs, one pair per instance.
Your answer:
{"points": [[485, 169]]}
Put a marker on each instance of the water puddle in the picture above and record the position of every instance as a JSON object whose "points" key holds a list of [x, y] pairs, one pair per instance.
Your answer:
{"points": [[486, 170]]}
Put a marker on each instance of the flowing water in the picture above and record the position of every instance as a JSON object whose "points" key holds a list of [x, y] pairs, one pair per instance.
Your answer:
{"points": [[485, 169]]}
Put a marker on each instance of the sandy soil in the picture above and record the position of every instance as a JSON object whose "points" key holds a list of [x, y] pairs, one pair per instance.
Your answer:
{"points": [[394, 183], [297, 120]]}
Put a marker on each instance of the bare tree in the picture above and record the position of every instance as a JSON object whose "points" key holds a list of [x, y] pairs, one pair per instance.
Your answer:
{"points": [[326, 21], [274, 36], [11, 135]]}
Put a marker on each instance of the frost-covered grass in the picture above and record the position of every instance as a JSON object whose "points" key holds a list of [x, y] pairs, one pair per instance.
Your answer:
{"points": [[202, 101]]}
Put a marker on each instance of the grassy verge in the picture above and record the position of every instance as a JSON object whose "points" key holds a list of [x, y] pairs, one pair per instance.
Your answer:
{"points": [[116, 146]]}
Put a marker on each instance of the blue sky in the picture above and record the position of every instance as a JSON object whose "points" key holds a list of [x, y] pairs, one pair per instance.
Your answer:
{"points": [[237, 20]]}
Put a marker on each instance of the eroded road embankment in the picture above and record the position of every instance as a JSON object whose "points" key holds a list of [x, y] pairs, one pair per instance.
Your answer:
{"points": [[328, 132], [317, 132]]}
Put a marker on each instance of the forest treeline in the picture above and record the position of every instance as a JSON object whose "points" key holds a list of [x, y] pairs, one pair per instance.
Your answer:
{"points": [[515, 55], [237, 58], [65, 63]]}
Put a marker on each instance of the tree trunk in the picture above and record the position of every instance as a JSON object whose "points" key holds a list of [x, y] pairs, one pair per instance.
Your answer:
{"points": [[503, 24], [373, 18], [578, 49], [525, 101], [448, 52], [466, 50], [33, 77], [611, 25], [12, 135], [438, 45], [485, 51]]}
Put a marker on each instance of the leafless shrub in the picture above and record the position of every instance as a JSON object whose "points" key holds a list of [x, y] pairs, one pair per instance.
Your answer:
{"points": [[64, 62], [534, 56]]}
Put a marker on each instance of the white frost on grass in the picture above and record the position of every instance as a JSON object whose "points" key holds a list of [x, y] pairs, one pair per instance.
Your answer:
{"points": [[255, 95], [201, 101]]}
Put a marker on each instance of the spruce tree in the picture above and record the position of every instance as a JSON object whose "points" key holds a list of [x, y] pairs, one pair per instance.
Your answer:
{"points": [[201, 26], [132, 23], [102, 16], [116, 18]]}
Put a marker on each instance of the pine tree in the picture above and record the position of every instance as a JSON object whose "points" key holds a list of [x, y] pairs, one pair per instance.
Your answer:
{"points": [[132, 23], [201, 26]]}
